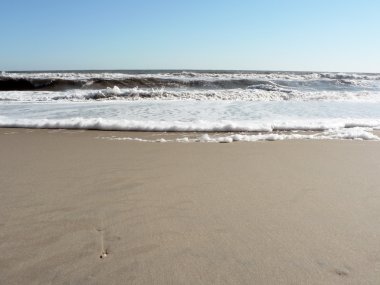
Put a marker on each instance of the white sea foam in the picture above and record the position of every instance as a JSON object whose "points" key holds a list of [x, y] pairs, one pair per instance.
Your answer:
{"points": [[238, 94], [353, 134], [330, 105], [339, 128], [338, 134], [132, 125]]}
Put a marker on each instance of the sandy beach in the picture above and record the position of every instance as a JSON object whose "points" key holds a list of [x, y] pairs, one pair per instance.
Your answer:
{"points": [[285, 212]]}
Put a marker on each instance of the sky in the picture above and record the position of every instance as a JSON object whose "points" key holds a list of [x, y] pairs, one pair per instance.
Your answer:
{"points": [[303, 35]]}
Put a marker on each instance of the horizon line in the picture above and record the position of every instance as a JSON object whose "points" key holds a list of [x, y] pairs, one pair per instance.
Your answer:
{"points": [[185, 69]]}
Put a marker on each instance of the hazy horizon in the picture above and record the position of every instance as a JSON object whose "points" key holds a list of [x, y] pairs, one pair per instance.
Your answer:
{"points": [[184, 70]]}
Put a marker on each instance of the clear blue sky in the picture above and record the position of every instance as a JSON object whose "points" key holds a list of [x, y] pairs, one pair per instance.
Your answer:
{"points": [[324, 35]]}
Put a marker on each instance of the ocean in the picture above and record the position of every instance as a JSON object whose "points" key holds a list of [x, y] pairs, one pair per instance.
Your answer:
{"points": [[221, 106]]}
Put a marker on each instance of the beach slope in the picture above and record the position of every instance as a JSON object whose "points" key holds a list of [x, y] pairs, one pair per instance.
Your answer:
{"points": [[76, 209]]}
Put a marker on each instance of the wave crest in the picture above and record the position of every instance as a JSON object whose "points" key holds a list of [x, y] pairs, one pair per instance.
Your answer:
{"points": [[200, 80]]}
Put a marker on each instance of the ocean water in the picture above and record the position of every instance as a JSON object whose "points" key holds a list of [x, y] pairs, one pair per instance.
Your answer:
{"points": [[244, 105]]}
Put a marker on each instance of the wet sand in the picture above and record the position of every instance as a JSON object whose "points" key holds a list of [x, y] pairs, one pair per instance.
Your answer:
{"points": [[289, 212]]}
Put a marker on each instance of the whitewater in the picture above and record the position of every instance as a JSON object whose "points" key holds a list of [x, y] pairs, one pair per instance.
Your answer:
{"points": [[238, 105]]}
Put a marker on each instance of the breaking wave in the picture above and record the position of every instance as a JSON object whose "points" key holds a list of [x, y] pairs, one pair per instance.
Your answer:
{"points": [[259, 93], [201, 80], [252, 105]]}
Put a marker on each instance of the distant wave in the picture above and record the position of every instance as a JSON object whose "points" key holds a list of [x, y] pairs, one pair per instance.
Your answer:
{"points": [[264, 80], [205, 75]]}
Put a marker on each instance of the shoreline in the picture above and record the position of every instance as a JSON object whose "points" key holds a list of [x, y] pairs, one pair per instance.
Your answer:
{"points": [[210, 136], [293, 211]]}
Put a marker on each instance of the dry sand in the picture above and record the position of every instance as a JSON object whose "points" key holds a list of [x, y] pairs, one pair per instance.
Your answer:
{"points": [[291, 212]]}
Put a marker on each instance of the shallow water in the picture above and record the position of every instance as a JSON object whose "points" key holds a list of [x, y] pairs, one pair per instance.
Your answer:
{"points": [[194, 101]]}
